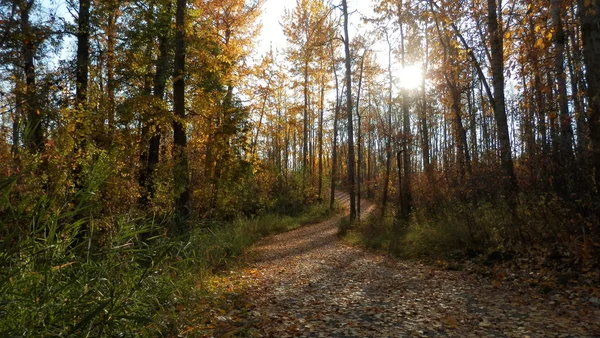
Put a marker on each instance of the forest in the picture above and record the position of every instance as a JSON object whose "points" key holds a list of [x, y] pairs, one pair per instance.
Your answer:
{"points": [[146, 144]]}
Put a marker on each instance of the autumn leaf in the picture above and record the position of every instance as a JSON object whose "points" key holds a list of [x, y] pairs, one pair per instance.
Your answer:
{"points": [[450, 322]]}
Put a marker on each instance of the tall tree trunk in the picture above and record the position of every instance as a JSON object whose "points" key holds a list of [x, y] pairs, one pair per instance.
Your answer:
{"points": [[406, 153], [406, 144], [589, 20], [541, 110], [485, 128], [565, 151], [305, 130], [34, 135], [351, 172], [83, 53], [334, 154], [294, 146], [527, 116], [19, 106], [181, 178], [253, 148], [573, 57], [16, 131], [81, 81], [473, 122], [369, 147], [578, 86], [388, 142], [160, 84], [497, 65], [152, 156], [462, 148], [111, 40], [425, 147], [360, 159], [286, 155], [559, 66], [553, 119], [321, 113], [399, 161]]}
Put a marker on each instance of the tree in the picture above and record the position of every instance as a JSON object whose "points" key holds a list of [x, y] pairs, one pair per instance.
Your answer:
{"points": [[306, 29], [388, 132], [349, 106], [150, 154], [182, 190], [406, 195], [359, 140], [565, 152], [496, 38], [590, 34], [34, 136], [81, 91]]}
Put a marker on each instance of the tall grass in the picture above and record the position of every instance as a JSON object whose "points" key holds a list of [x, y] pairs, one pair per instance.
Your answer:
{"points": [[461, 229], [65, 271]]}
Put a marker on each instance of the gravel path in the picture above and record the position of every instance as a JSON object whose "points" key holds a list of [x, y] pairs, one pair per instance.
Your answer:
{"points": [[307, 283]]}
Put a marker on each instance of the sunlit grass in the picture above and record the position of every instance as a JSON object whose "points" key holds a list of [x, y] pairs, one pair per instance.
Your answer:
{"points": [[132, 281]]}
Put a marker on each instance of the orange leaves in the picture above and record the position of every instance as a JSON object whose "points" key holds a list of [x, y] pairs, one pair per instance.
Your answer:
{"points": [[60, 267], [539, 43], [544, 41], [450, 322], [496, 284]]}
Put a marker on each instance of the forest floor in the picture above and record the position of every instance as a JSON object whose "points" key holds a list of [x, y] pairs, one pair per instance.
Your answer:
{"points": [[308, 283]]}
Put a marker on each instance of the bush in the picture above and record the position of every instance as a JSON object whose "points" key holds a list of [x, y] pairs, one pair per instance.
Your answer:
{"points": [[66, 271]]}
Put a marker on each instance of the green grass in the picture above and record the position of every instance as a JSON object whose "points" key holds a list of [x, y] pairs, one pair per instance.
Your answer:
{"points": [[422, 238], [371, 232], [123, 277], [458, 230]]}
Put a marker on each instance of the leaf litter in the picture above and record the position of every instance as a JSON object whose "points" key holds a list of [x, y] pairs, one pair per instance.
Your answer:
{"points": [[307, 283]]}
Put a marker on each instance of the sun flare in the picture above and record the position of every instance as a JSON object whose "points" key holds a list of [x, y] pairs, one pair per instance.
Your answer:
{"points": [[411, 77]]}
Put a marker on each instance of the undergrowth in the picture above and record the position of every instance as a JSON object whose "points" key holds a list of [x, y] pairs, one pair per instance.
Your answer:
{"points": [[461, 230], [66, 273]]}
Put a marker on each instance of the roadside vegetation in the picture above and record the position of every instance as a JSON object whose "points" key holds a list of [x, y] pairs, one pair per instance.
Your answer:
{"points": [[62, 275]]}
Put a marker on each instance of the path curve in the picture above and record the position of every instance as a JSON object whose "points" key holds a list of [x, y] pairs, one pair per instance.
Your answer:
{"points": [[307, 283]]}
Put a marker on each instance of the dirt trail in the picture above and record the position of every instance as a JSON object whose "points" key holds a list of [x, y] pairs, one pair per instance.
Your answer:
{"points": [[306, 283]]}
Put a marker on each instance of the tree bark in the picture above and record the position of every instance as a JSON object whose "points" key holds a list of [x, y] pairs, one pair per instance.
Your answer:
{"points": [[111, 40], [497, 65], [406, 196], [360, 159], [182, 191], [573, 57], [334, 154], [16, 126], [152, 156], [321, 113], [589, 19], [351, 172], [565, 152], [425, 147], [388, 142], [305, 129], [83, 53], [34, 135]]}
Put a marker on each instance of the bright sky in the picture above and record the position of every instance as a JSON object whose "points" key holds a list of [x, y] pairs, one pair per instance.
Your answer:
{"points": [[272, 33]]}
